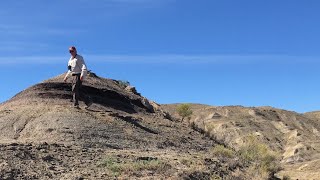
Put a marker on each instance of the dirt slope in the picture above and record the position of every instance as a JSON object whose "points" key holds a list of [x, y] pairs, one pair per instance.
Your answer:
{"points": [[122, 135], [295, 136]]}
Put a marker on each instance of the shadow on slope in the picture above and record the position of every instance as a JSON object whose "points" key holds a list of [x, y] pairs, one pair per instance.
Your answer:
{"points": [[104, 97]]}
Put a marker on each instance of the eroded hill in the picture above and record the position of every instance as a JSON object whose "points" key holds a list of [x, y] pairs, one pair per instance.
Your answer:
{"points": [[294, 136], [122, 135]]}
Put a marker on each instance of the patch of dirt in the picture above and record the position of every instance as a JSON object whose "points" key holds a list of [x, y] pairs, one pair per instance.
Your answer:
{"points": [[58, 161]]}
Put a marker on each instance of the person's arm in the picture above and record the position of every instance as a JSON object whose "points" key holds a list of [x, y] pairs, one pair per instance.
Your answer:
{"points": [[83, 70], [68, 73]]}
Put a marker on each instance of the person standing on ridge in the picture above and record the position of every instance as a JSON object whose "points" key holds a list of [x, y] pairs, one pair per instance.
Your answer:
{"points": [[78, 69]]}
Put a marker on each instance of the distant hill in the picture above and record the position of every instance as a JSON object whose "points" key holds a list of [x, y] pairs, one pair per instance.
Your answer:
{"points": [[296, 136]]}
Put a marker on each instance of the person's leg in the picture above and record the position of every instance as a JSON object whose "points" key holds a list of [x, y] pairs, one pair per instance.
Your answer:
{"points": [[76, 89]]}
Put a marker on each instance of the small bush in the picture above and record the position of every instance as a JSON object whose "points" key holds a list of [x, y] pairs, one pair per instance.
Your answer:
{"points": [[222, 151], [261, 160], [184, 111], [113, 165]]}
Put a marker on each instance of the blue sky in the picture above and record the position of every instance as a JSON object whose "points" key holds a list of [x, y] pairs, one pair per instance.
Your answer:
{"points": [[230, 52]]}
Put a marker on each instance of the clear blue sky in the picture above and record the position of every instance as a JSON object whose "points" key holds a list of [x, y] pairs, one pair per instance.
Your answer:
{"points": [[216, 52]]}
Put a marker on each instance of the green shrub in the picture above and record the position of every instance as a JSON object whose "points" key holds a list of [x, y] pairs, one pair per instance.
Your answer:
{"points": [[184, 111]]}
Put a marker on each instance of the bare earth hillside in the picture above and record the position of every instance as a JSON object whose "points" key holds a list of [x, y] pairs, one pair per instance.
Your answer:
{"points": [[295, 136], [121, 136]]}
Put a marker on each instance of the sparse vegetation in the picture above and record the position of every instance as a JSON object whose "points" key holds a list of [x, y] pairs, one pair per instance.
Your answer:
{"points": [[222, 151], [113, 165], [184, 111], [127, 166], [257, 159], [262, 162]]}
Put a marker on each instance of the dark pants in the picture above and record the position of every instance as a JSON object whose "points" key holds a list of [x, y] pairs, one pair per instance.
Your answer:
{"points": [[78, 92]]}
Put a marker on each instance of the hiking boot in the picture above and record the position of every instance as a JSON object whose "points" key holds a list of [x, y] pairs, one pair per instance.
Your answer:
{"points": [[89, 102], [76, 106]]}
